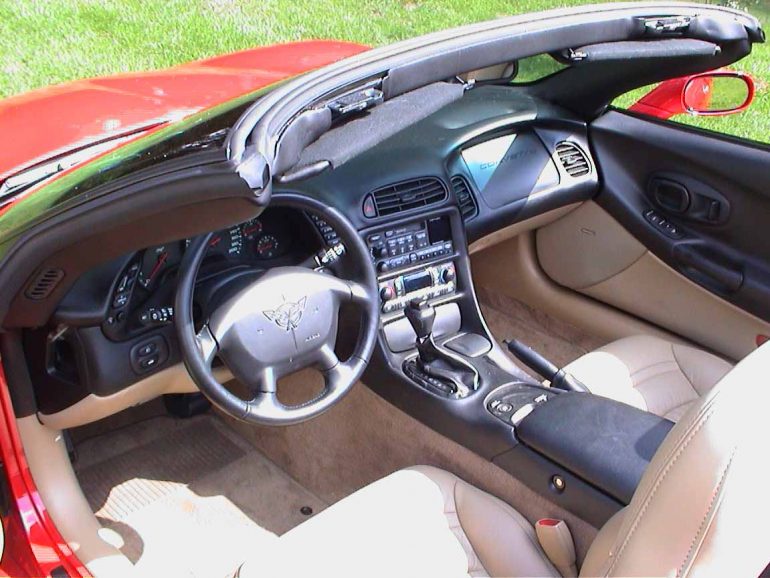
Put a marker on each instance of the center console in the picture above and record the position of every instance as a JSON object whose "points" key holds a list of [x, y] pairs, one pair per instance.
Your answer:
{"points": [[438, 362]]}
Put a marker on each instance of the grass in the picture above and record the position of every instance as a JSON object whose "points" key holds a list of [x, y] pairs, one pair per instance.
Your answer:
{"points": [[49, 41]]}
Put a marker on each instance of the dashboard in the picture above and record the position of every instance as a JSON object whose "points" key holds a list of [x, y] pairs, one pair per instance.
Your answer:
{"points": [[144, 293], [417, 199], [119, 316], [256, 242]]}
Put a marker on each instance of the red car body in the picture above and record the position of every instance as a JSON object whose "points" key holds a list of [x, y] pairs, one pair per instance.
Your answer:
{"points": [[85, 112]]}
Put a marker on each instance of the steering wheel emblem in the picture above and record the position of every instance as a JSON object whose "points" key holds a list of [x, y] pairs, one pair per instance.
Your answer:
{"points": [[288, 315]]}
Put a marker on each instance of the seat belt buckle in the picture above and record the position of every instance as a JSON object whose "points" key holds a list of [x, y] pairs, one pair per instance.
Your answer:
{"points": [[556, 540]]}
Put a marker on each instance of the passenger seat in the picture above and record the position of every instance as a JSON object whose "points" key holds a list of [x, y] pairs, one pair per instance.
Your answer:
{"points": [[650, 373]]}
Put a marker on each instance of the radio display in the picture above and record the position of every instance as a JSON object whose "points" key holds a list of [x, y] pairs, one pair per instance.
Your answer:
{"points": [[417, 281], [439, 230]]}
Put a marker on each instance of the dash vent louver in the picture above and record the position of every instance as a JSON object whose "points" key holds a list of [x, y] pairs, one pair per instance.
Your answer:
{"points": [[465, 198], [573, 159], [408, 195], [44, 283]]}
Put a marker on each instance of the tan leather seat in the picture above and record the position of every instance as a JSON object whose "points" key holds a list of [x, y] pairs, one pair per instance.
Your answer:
{"points": [[700, 510], [650, 373]]}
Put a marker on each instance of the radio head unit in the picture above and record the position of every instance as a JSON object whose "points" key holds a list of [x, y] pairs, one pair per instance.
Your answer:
{"points": [[423, 250], [407, 245]]}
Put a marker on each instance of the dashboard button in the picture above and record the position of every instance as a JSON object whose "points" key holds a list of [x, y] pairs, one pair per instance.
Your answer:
{"points": [[147, 349], [120, 300]]}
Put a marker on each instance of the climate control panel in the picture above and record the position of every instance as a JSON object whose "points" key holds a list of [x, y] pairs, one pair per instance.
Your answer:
{"points": [[429, 283]]}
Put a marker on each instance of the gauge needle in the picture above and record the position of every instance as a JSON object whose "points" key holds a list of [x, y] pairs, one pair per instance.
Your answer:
{"points": [[158, 264], [214, 241]]}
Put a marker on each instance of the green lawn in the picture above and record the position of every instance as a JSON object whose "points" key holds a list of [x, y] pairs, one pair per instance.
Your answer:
{"points": [[50, 41]]}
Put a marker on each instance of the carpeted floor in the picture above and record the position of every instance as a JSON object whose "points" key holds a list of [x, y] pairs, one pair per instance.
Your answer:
{"points": [[557, 340], [187, 497]]}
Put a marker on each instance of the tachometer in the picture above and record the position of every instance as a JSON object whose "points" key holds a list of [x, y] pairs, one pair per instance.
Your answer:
{"points": [[267, 247], [156, 260], [227, 243]]}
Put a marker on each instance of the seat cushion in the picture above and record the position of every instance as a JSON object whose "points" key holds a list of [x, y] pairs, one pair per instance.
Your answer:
{"points": [[650, 373], [421, 521]]}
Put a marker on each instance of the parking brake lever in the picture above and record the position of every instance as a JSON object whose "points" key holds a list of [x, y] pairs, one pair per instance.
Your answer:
{"points": [[559, 378]]}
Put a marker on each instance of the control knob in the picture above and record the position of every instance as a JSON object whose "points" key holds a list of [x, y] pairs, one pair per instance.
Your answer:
{"points": [[448, 275], [387, 293]]}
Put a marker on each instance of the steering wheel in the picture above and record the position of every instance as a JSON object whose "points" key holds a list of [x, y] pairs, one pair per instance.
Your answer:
{"points": [[282, 321]]}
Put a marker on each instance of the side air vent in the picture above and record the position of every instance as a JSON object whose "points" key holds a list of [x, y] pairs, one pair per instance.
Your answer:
{"points": [[465, 198], [44, 283], [573, 159], [408, 195]]}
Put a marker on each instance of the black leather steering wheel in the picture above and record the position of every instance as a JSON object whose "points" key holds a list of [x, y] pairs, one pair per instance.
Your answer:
{"points": [[283, 321]]}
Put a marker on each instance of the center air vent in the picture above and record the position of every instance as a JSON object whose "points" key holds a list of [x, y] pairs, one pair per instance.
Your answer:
{"points": [[408, 195], [465, 197], [573, 159]]}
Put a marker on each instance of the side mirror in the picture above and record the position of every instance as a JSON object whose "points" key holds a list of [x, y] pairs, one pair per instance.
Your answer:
{"points": [[714, 93], [718, 93]]}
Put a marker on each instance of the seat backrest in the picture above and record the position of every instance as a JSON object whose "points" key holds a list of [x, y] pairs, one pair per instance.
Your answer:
{"points": [[702, 506]]}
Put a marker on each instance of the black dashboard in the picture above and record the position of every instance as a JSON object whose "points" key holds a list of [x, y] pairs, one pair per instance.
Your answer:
{"points": [[143, 293], [490, 159]]}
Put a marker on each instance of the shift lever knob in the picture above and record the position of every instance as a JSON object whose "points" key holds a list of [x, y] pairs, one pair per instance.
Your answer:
{"points": [[421, 315]]}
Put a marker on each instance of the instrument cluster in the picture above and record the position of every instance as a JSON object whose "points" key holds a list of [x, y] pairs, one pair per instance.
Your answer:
{"points": [[143, 295], [257, 242]]}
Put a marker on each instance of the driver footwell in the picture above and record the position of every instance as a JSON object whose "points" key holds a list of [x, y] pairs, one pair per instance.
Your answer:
{"points": [[187, 497]]}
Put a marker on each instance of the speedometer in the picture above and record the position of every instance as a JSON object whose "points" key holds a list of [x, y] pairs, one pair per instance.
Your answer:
{"points": [[227, 243]]}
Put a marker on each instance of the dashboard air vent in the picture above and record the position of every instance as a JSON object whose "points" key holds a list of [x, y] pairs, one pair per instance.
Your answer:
{"points": [[408, 195], [573, 159], [465, 197], [44, 283]]}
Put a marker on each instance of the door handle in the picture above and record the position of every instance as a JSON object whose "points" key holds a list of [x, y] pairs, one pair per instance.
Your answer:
{"points": [[683, 196], [670, 195], [706, 270]]}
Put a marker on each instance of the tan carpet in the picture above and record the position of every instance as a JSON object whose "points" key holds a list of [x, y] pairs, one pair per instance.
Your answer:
{"points": [[365, 438], [188, 497], [557, 340]]}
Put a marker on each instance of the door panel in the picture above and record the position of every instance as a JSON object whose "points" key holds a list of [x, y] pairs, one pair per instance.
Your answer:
{"points": [[699, 202], [590, 252]]}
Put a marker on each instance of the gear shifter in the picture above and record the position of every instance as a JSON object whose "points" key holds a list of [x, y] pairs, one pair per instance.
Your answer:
{"points": [[421, 316], [435, 367]]}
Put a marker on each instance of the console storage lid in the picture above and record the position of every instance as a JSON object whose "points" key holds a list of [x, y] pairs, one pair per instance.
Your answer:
{"points": [[606, 443]]}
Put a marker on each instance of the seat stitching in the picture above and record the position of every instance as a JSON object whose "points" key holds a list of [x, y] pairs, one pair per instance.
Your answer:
{"points": [[681, 369], [653, 365], [713, 505], [681, 446], [649, 377]]}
